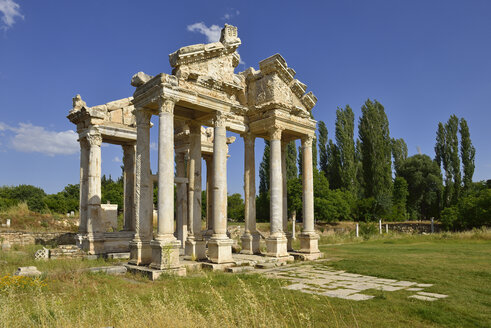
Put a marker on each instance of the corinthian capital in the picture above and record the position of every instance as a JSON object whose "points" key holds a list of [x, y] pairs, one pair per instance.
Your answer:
{"points": [[249, 138], [307, 141], [275, 132], [94, 139], [166, 104], [219, 119]]}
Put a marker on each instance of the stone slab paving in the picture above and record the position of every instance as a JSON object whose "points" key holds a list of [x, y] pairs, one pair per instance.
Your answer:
{"points": [[323, 280]]}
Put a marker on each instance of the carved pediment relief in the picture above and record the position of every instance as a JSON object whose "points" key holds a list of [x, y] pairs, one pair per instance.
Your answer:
{"points": [[274, 85]]}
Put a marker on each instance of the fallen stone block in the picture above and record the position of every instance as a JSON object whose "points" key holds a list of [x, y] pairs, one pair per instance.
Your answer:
{"points": [[112, 270], [30, 271]]}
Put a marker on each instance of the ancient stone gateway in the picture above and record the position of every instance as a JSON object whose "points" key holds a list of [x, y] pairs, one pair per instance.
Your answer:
{"points": [[202, 91]]}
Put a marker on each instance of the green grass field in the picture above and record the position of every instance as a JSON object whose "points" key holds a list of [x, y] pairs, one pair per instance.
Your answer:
{"points": [[458, 265]]}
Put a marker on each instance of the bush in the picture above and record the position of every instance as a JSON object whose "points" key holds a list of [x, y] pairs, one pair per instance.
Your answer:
{"points": [[368, 229]]}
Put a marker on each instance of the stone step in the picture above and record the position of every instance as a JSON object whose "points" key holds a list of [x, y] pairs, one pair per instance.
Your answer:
{"points": [[237, 269], [122, 256]]}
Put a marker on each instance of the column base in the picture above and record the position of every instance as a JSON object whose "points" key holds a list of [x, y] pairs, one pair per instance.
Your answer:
{"points": [[140, 253], [220, 250], [250, 243], [207, 234], [92, 243], [289, 237], [276, 246], [196, 249], [165, 254], [309, 243]]}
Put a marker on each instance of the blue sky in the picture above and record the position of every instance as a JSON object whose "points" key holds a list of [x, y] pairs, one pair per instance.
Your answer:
{"points": [[423, 60]]}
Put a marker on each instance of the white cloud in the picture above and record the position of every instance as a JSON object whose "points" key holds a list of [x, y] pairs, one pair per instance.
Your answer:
{"points": [[212, 33], [30, 138], [230, 14], [153, 146], [10, 11], [117, 159]]}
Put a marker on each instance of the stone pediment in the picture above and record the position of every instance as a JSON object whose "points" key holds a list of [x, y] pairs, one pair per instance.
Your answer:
{"points": [[210, 65], [275, 86]]}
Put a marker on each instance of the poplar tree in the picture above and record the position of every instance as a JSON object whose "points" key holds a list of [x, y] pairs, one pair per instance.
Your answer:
{"points": [[323, 147], [452, 140], [264, 170], [442, 158], [375, 140], [291, 161], [333, 166], [399, 153], [345, 123], [467, 153]]}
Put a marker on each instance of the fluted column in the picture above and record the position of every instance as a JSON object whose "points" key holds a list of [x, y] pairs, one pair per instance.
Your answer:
{"points": [[308, 237], [284, 147], [140, 251], [209, 196], [165, 247], [276, 243], [181, 201], [220, 246], [250, 238], [129, 186], [195, 247], [84, 167]]}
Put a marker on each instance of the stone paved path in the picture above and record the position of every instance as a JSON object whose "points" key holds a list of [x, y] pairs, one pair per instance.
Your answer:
{"points": [[323, 280]]}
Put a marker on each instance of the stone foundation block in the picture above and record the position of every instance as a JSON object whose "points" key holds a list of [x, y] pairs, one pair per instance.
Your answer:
{"points": [[276, 246], [165, 254], [195, 249], [250, 244], [220, 250], [309, 243], [140, 253], [289, 237]]}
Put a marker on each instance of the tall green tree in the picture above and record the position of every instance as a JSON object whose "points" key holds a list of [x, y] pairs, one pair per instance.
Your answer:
{"points": [[399, 153], [262, 200], [359, 169], [467, 153], [424, 183], [399, 199], [323, 151], [314, 153], [291, 161], [264, 169], [345, 123], [334, 166], [376, 152], [452, 127]]}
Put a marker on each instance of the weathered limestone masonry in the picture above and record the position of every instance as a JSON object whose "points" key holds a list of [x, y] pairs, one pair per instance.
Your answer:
{"points": [[33, 238], [202, 91]]}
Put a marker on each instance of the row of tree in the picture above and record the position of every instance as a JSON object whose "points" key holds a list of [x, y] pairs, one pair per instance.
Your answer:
{"points": [[371, 177]]}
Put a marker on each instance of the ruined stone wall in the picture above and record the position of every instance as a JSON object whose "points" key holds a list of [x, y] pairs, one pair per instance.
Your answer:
{"points": [[37, 238]]}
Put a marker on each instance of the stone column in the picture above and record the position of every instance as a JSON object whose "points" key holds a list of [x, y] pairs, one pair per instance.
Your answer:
{"points": [[195, 246], [140, 251], [219, 245], [129, 186], [94, 226], [165, 247], [276, 243], [284, 147], [250, 239], [308, 237], [84, 167], [209, 197], [181, 201]]}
